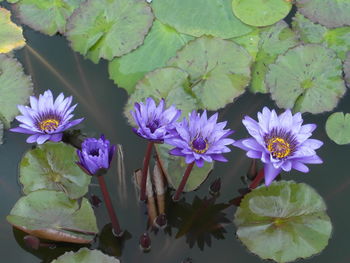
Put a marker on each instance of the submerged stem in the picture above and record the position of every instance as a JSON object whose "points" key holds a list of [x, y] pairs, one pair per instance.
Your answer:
{"points": [[257, 179], [183, 182], [145, 170]]}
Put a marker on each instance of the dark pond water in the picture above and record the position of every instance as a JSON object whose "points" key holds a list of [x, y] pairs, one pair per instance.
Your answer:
{"points": [[53, 65]]}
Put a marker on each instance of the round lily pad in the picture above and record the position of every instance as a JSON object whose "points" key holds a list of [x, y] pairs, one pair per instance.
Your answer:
{"points": [[200, 17], [308, 31], [307, 78], [85, 255], [46, 16], [219, 70], [52, 215], [168, 83], [109, 28], [338, 39], [250, 42], [10, 34], [261, 12], [338, 128], [15, 88], [274, 40], [52, 166], [174, 168], [160, 44], [283, 222], [330, 13], [347, 69]]}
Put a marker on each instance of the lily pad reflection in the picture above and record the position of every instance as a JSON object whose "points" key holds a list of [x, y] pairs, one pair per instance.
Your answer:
{"points": [[85, 255]]}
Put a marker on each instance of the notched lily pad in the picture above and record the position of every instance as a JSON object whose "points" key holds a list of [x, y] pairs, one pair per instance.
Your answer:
{"points": [[10, 34], [261, 12], [85, 255], [219, 70], [330, 13], [250, 42], [52, 215], [109, 28], [283, 222], [338, 127], [307, 78], [174, 168], [52, 166], [200, 17], [15, 88], [160, 44]]}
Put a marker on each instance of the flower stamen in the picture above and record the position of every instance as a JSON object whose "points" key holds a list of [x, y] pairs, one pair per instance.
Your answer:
{"points": [[278, 147], [49, 125]]}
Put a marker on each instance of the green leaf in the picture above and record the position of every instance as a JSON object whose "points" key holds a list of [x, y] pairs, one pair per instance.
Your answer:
{"points": [[52, 166], [338, 128], [308, 31], [200, 17], [109, 28], [250, 42], [338, 39], [160, 44], [46, 16], [10, 34], [307, 78], [52, 215], [168, 83], [274, 40], [15, 88], [347, 69], [85, 255], [174, 168], [261, 12], [283, 222], [330, 13], [219, 70]]}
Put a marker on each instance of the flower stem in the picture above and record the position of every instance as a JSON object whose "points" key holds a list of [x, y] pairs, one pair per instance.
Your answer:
{"points": [[183, 182], [145, 170], [257, 179], [117, 231]]}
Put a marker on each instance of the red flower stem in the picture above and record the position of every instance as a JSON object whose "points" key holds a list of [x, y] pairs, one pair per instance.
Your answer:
{"points": [[183, 182], [116, 227], [145, 170], [257, 179]]}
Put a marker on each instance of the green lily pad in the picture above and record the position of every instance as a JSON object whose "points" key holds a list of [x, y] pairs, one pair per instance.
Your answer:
{"points": [[219, 70], [52, 215], [52, 166], [250, 42], [85, 255], [15, 88], [283, 222], [10, 34], [330, 13], [200, 17], [46, 16], [174, 168], [109, 28], [274, 40], [308, 31], [347, 69], [168, 83], [307, 78], [160, 44], [261, 12], [338, 128]]}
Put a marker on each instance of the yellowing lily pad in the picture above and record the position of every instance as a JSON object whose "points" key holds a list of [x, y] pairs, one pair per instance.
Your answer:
{"points": [[85, 255], [52, 215], [160, 44], [15, 88], [200, 17], [307, 78], [283, 222], [261, 12], [109, 28], [338, 128], [10, 34], [52, 166]]}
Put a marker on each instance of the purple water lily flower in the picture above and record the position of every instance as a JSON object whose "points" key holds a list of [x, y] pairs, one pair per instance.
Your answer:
{"points": [[281, 142], [95, 155], [154, 122], [200, 139], [46, 119]]}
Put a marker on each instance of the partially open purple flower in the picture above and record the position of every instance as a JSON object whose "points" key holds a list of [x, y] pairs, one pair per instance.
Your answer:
{"points": [[281, 142], [154, 122], [95, 155], [200, 139], [46, 119]]}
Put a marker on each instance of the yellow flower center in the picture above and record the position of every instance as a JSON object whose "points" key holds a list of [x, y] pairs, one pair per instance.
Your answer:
{"points": [[278, 147], [49, 125]]}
